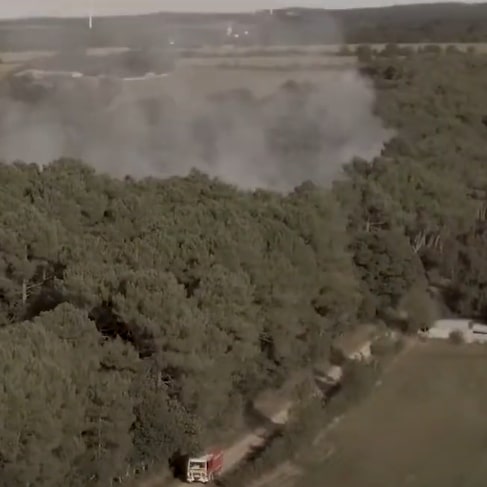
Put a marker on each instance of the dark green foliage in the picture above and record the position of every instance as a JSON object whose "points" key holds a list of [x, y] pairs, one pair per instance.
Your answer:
{"points": [[156, 309], [66, 411], [419, 308], [421, 205], [137, 318], [387, 265]]}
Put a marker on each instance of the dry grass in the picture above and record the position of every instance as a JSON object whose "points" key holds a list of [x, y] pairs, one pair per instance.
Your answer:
{"points": [[7, 68], [297, 57], [260, 50], [23, 56], [274, 53], [308, 50], [272, 62], [193, 84], [106, 51], [424, 426], [26, 56], [284, 475]]}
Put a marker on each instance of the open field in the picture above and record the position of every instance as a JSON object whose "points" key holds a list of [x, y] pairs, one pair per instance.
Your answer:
{"points": [[7, 68], [23, 56], [302, 61], [425, 426], [324, 50], [210, 69], [242, 64], [264, 58], [26, 56], [206, 81], [258, 54]]}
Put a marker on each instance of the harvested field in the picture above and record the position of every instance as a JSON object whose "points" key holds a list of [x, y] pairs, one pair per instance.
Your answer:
{"points": [[329, 50], [273, 54], [303, 61], [197, 83], [26, 56], [23, 56], [7, 68], [425, 426]]}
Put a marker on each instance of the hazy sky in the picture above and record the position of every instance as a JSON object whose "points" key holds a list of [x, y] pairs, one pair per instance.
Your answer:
{"points": [[22, 8]]}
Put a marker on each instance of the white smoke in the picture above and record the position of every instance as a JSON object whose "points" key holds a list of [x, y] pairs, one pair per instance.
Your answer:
{"points": [[263, 137]]}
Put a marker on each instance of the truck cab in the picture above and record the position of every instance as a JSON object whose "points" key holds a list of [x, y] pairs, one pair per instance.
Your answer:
{"points": [[203, 469]]}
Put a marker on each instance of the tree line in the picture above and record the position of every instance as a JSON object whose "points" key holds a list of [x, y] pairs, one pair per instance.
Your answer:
{"points": [[434, 22], [138, 318]]}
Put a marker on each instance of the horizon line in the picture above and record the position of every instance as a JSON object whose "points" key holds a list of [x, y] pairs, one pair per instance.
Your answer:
{"points": [[224, 12]]}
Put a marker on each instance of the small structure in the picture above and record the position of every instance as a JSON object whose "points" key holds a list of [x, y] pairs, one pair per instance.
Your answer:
{"points": [[38, 74], [357, 344], [469, 330]]}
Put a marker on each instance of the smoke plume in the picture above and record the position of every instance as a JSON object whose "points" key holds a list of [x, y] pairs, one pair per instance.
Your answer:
{"points": [[255, 128]]}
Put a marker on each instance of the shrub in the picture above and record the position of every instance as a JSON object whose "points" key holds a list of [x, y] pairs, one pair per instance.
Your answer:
{"points": [[456, 337]]}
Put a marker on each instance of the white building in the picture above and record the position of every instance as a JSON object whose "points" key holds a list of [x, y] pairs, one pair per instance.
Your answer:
{"points": [[471, 331], [41, 74]]}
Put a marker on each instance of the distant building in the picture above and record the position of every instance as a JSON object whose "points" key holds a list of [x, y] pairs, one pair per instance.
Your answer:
{"points": [[357, 344], [469, 330], [41, 74]]}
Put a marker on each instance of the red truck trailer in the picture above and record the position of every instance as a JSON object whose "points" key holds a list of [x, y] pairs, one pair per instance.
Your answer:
{"points": [[204, 469]]}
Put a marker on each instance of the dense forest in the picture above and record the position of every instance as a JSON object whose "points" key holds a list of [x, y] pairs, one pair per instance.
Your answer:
{"points": [[435, 22], [427, 22], [137, 318]]}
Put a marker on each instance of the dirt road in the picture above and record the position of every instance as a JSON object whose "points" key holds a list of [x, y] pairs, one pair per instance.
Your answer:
{"points": [[235, 453], [285, 474], [281, 409]]}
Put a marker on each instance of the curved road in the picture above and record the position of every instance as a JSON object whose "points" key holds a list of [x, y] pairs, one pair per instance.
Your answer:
{"points": [[234, 454]]}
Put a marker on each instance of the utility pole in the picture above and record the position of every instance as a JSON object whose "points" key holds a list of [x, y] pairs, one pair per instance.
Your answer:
{"points": [[90, 15]]}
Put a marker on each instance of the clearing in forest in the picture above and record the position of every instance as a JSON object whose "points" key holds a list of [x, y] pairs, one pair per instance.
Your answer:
{"points": [[425, 425]]}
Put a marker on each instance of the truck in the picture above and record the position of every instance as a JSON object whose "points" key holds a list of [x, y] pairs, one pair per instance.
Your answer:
{"points": [[203, 469]]}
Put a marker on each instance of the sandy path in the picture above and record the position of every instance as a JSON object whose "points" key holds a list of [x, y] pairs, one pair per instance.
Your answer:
{"points": [[284, 474], [235, 453]]}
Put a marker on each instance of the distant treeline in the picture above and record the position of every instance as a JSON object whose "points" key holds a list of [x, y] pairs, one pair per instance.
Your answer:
{"points": [[441, 22]]}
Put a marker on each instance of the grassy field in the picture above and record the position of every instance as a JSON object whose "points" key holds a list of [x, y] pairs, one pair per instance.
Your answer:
{"points": [[424, 426]]}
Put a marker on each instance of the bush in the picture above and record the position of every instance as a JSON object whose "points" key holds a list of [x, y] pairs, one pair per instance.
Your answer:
{"points": [[364, 53], [337, 357], [456, 337], [284, 443], [383, 347]]}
